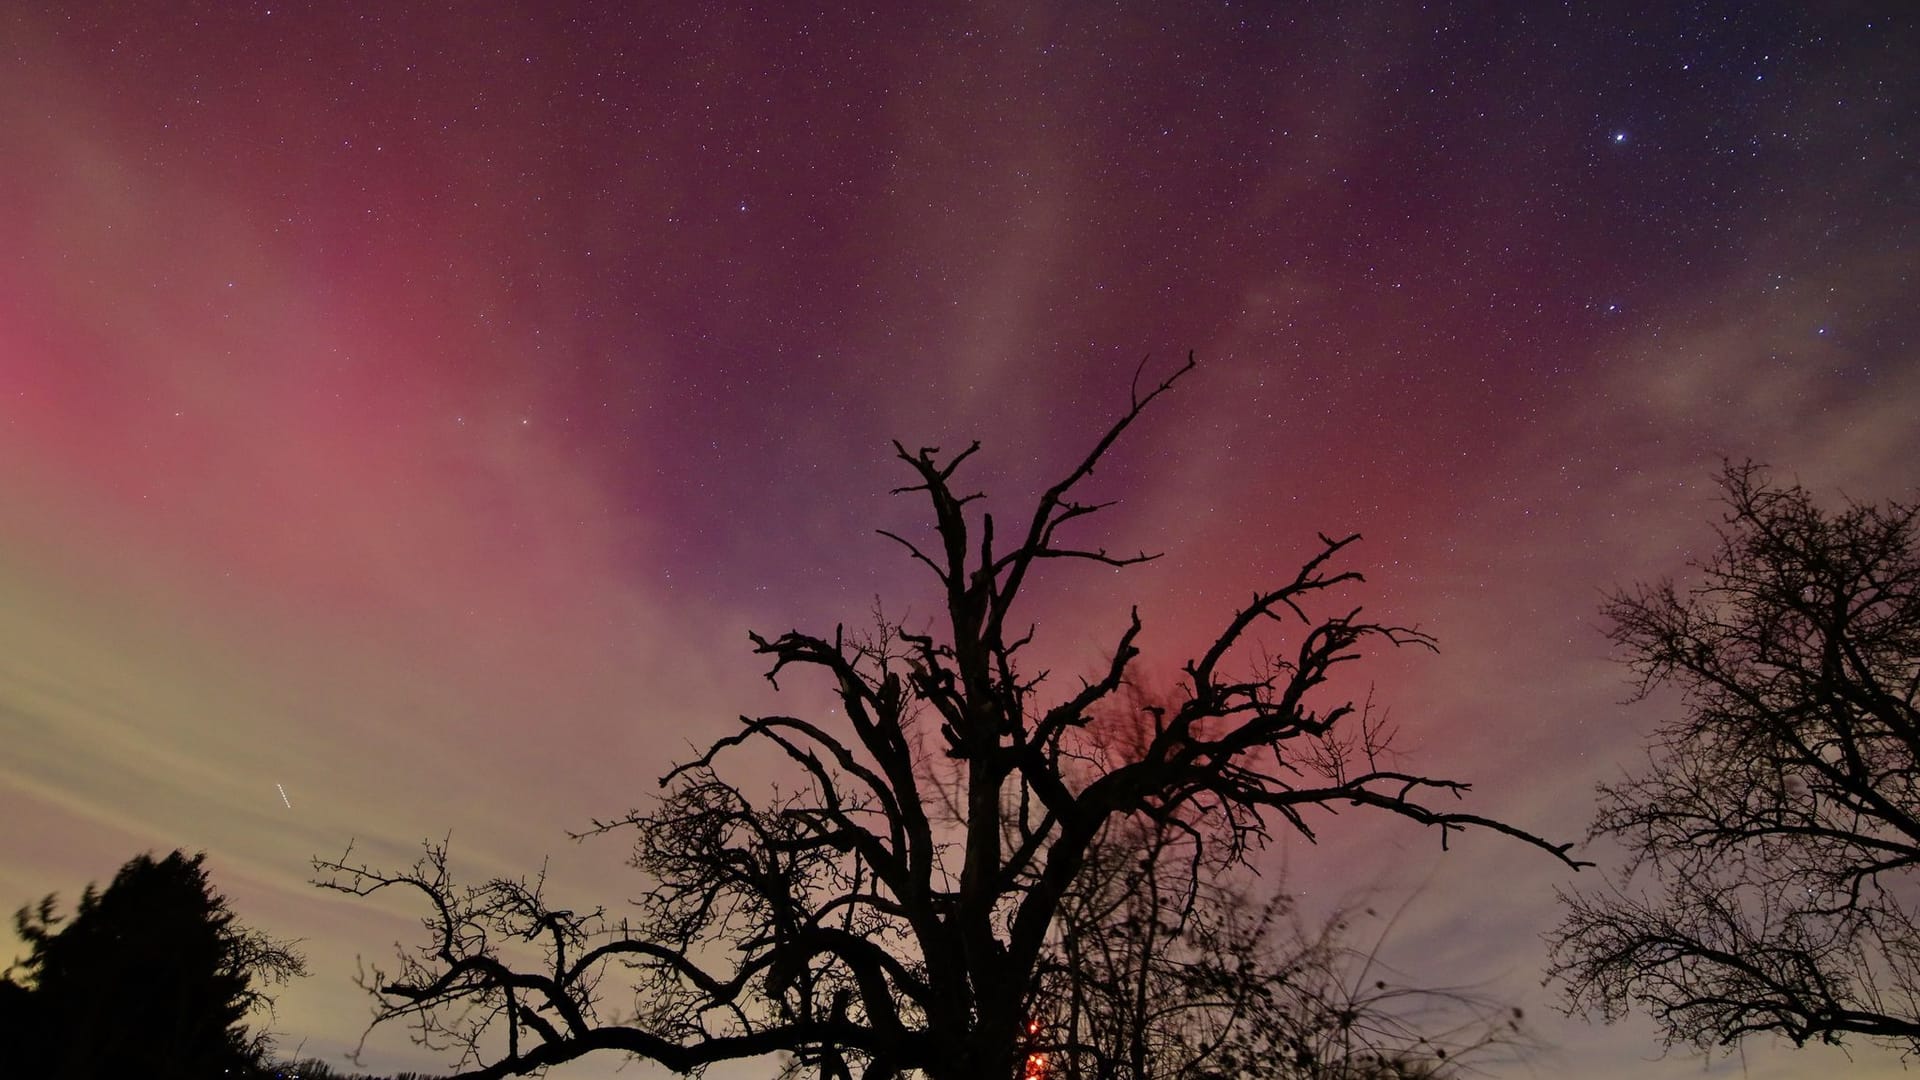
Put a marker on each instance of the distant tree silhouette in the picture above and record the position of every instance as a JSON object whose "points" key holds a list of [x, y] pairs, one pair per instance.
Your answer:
{"points": [[1165, 973], [315, 1069], [1775, 827], [151, 978], [892, 906]]}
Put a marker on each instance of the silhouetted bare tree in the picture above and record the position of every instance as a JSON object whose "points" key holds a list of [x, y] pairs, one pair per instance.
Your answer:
{"points": [[890, 908], [1164, 970], [1779, 812]]}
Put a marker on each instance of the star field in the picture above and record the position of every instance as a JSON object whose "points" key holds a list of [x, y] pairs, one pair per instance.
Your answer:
{"points": [[415, 406]]}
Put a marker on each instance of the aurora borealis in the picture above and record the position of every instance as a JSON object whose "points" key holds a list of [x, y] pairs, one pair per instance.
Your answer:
{"points": [[406, 410]]}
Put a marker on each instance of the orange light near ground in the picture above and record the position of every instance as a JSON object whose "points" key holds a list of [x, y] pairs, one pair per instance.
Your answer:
{"points": [[1036, 1063]]}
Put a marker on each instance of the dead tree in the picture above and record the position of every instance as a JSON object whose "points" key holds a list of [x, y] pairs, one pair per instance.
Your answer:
{"points": [[887, 909]]}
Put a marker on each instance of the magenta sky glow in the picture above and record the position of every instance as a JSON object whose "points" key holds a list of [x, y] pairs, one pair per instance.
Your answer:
{"points": [[413, 409]]}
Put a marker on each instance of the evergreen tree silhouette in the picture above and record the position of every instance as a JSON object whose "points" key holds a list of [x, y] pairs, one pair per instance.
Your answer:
{"points": [[152, 977]]}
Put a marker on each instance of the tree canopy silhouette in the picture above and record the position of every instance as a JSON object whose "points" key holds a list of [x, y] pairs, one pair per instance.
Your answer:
{"points": [[1778, 814], [153, 977], [891, 906], [1160, 972]]}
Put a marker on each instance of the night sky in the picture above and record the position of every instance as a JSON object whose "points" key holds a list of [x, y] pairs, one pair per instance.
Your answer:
{"points": [[410, 409]]}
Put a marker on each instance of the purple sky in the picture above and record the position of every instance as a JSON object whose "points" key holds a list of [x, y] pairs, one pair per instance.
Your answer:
{"points": [[413, 410]]}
